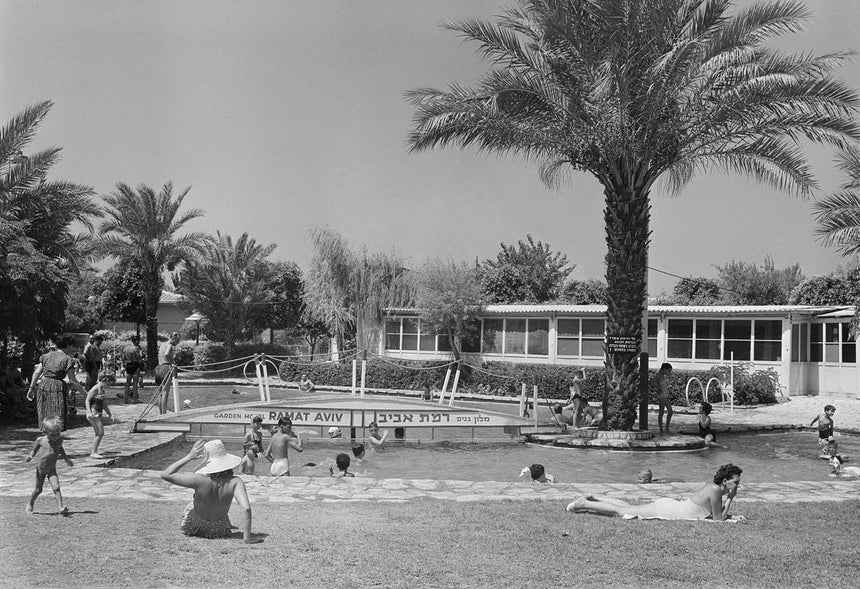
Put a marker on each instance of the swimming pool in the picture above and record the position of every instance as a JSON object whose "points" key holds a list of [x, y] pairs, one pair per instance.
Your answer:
{"points": [[765, 457]]}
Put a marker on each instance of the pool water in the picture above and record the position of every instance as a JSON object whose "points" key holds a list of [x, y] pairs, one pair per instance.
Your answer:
{"points": [[764, 457]]}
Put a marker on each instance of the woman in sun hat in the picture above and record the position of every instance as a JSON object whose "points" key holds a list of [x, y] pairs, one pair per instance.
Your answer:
{"points": [[215, 486]]}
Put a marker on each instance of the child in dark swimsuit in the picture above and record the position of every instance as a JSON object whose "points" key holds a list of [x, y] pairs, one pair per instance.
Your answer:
{"points": [[826, 440], [96, 404], [705, 431]]}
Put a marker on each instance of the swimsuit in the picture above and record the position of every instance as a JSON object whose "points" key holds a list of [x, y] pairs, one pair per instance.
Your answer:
{"points": [[98, 405], [823, 434], [194, 525], [706, 431], [280, 467], [673, 509]]}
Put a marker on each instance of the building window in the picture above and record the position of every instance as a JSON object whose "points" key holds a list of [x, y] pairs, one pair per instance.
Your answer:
{"points": [[708, 337], [800, 342], [768, 340], [680, 344], [831, 342], [409, 339], [593, 335], [816, 338], [392, 334], [515, 336], [737, 336], [567, 337], [492, 332], [849, 346], [538, 340], [652, 338]]}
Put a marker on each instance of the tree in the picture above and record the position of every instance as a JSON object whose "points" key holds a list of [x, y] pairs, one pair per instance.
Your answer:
{"points": [[450, 300], [123, 297], [284, 297], [229, 285], [39, 250], [584, 292], [144, 225], [349, 290], [696, 291], [526, 273], [747, 284], [313, 333], [632, 92], [838, 214], [834, 289], [82, 310]]}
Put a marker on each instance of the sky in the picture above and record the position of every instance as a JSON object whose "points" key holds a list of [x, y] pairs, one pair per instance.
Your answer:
{"points": [[285, 115]]}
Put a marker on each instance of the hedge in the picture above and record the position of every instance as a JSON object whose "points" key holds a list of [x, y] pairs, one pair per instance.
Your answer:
{"points": [[553, 381]]}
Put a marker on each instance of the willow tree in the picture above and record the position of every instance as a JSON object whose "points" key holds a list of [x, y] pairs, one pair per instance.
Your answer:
{"points": [[632, 92], [350, 290]]}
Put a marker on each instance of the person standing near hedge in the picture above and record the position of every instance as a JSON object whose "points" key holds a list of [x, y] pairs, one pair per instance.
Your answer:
{"points": [[131, 361], [48, 386], [164, 370], [662, 381], [93, 360]]}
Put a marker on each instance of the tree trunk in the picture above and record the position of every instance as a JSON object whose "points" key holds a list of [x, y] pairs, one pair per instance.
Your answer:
{"points": [[152, 297], [627, 217]]}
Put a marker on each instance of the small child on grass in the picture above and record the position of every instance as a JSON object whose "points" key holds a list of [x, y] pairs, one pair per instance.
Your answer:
{"points": [[49, 447]]}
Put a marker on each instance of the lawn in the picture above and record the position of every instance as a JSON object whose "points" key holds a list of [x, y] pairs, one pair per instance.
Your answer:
{"points": [[427, 543]]}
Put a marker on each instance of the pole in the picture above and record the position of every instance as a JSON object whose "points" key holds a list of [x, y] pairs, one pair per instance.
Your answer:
{"points": [[445, 386], [454, 387], [363, 375], [523, 400], [535, 406], [266, 380], [259, 379], [354, 376], [176, 404]]}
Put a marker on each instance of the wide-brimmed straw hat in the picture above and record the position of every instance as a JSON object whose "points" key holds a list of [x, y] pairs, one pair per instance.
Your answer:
{"points": [[217, 458]]}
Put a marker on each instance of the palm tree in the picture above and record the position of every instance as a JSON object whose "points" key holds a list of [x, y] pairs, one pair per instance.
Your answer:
{"points": [[39, 250], [229, 285], [631, 92], [144, 225], [838, 214]]}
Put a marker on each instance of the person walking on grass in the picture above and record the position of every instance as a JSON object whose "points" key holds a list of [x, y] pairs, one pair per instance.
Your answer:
{"points": [[215, 487], [662, 381], [164, 370], [48, 448], [96, 403]]}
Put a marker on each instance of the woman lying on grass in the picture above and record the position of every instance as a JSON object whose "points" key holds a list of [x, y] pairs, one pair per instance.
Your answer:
{"points": [[707, 503]]}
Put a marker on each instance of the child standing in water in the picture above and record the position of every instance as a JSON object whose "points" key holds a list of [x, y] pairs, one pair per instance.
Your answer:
{"points": [[663, 395], [50, 448], [826, 440], [96, 403]]}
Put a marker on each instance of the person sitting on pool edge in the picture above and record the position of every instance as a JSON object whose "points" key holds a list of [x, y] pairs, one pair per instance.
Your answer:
{"points": [[538, 474], [561, 419], [707, 503], [705, 430], [215, 487]]}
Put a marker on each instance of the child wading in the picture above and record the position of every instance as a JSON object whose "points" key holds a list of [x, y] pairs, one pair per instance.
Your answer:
{"points": [[96, 404], [48, 448]]}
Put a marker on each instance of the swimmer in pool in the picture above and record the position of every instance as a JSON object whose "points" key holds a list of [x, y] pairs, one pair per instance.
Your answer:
{"points": [[279, 447]]}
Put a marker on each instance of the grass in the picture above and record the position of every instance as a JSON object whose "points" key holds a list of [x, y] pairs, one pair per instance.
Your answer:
{"points": [[426, 543]]}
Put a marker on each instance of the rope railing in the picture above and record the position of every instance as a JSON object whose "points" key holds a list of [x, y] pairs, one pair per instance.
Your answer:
{"points": [[385, 360], [161, 390], [478, 369], [221, 362]]}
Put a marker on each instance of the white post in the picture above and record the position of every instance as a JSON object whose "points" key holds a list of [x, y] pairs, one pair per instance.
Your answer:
{"points": [[354, 376], [259, 379], [454, 387], [266, 380], [445, 386], [523, 400], [732, 376], [535, 406], [363, 374], [176, 403]]}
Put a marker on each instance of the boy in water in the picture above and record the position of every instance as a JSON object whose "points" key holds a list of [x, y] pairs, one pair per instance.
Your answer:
{"points": [[342, 461], [279, 447], [663, 396], [248, 463], [50, 448], [827, 446]]}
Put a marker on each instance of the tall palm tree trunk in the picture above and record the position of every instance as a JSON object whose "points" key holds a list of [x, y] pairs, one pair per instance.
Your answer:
{"points": [[152, 296], [627, 216]]}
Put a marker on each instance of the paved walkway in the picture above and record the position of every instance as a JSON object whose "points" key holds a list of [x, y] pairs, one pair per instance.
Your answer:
{"points": [[89, 478]]}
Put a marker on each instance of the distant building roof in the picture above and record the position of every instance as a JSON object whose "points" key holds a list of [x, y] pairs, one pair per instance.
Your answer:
{"points": [[560, 308], [169, 298]]}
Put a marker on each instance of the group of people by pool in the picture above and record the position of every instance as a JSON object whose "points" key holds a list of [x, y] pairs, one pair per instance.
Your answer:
{"points": [[216, 485]]}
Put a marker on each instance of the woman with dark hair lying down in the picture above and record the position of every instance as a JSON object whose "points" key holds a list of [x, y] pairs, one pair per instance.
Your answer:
{"points": [[707, 503]]}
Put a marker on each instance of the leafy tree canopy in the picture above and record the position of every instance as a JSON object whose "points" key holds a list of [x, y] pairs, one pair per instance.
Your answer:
{"points": [[584, 292], [747, 284], [528, 272], [122, 298]]}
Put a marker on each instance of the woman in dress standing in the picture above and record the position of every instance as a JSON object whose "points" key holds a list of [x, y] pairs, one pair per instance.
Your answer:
{"points": [[47, 384]]}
